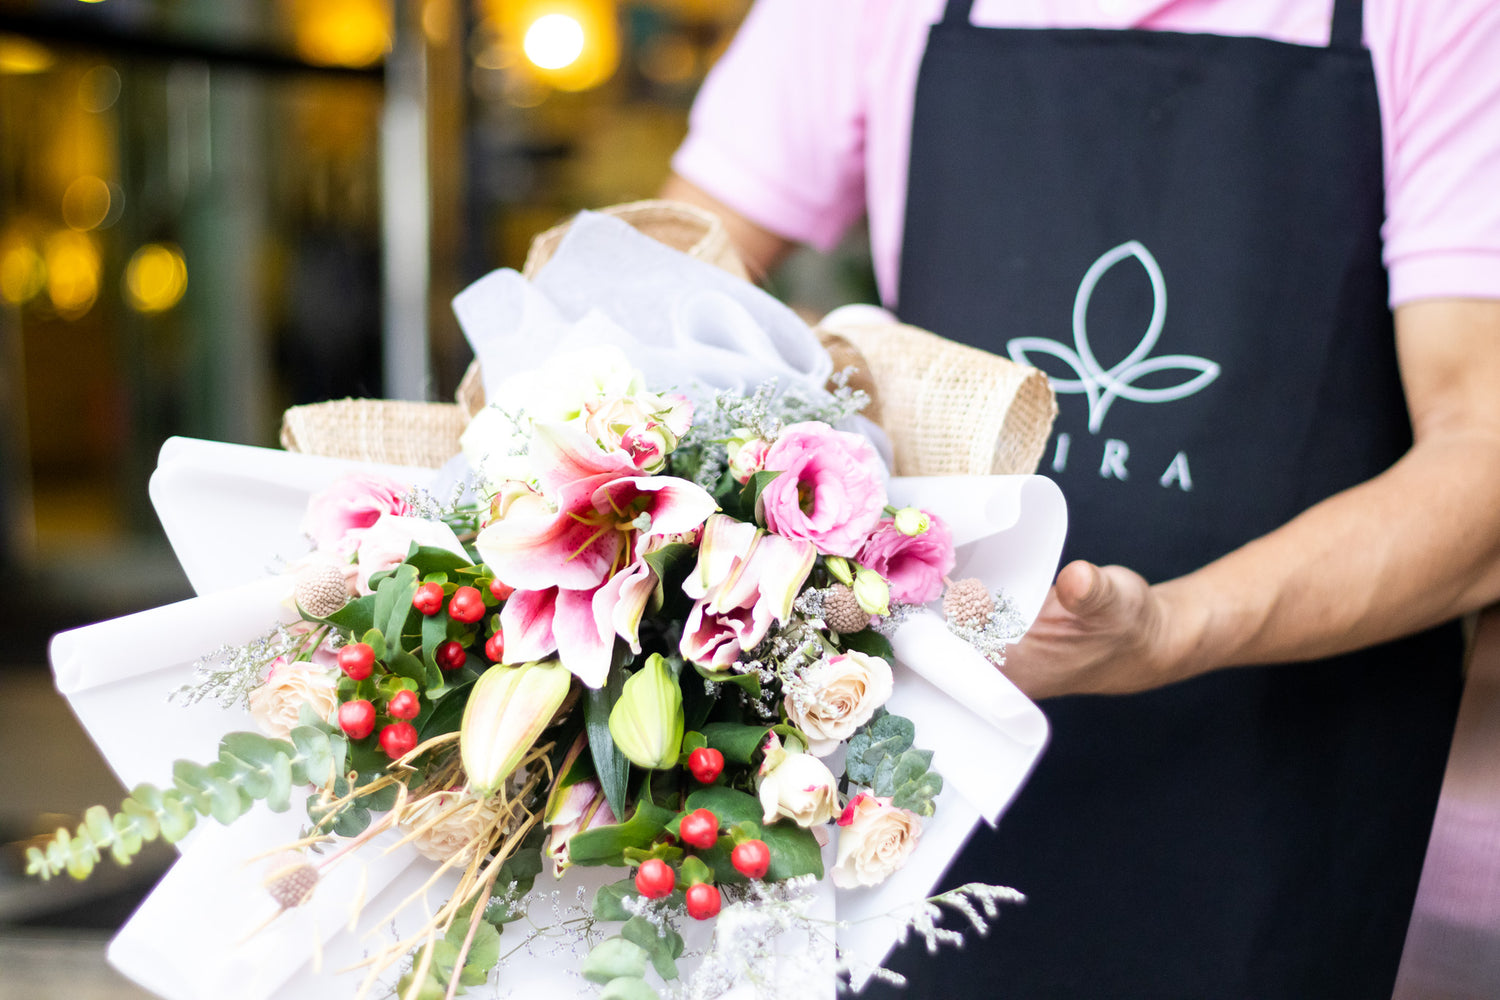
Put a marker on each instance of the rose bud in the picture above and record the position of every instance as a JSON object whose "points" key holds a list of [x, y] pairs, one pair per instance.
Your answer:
{"points": [[798, 786], [647, 723], [912, 522], [507, 710]]}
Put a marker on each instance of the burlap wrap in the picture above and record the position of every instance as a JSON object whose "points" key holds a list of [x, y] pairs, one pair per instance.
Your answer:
{"points": [[949, 409]]}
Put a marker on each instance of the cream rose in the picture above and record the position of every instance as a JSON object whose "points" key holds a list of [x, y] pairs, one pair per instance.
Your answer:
{"points": [[447, 823], [276, 703], [799, 787], [875, 839], [837, 695]]}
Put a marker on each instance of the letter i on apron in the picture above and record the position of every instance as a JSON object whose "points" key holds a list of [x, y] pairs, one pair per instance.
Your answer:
{"points": [[1183, 231]]}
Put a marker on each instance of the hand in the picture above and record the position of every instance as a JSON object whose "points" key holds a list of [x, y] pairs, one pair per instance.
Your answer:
{"points": [[1103, 630]]}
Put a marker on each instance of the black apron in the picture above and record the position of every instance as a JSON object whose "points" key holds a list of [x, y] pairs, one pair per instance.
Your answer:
{"points": [[1257, 832]]}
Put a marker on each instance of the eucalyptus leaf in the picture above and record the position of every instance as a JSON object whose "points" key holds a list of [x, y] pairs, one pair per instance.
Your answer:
{"points": [[614, 958], [662, 949]]}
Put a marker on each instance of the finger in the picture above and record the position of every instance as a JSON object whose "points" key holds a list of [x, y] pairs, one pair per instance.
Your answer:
{"points": [[1082, 589]]}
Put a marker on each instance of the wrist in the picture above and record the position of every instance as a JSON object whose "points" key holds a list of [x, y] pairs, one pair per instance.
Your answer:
{"points": [[1184, 632]]}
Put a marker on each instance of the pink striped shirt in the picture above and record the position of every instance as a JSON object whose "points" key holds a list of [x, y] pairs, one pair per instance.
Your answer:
{"points": [[805, 124]]}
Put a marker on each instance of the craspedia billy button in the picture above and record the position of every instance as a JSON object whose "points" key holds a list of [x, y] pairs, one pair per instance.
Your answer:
{"points": [[357, 718], [656, 879], [706, 764], [398, 739], [357, 660], [428, 599], [703, 901], [700, 829], [751, 858], [403, 705], [466, 605]]}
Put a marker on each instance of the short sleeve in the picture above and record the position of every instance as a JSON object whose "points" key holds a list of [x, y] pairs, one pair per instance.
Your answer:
{"points": [[777, 130], [1441, 91]]}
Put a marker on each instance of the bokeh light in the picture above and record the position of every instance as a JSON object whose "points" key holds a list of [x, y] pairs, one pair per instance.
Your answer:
{"points": [[23, 273], [554, 41], [85, 203], [22, 55], [72, 261], [155, 278], [341, 32]]}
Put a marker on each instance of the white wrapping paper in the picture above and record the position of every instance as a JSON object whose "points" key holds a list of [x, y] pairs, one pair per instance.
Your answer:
{"points": [[231, 512]]}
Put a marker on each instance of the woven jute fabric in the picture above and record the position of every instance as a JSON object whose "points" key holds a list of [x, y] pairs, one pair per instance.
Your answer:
{"points": [[953, 410], [947, 408], [376, 430]]}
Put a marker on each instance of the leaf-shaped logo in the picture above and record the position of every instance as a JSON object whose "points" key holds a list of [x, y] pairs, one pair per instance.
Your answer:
{"points": [[1103, 386]]}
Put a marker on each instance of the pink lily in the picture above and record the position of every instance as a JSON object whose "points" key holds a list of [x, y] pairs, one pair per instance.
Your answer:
{"points": [[744, 580]]}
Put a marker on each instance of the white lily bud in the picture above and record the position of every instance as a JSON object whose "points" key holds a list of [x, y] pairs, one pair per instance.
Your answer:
{"points": [[507, 711]]}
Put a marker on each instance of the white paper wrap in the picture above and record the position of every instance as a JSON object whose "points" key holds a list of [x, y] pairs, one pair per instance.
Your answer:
{"points": [[231, 512]]}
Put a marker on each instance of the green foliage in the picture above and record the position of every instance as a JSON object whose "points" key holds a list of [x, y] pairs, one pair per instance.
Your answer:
{"points": [[610, 763], [738, 743], [749, 683], [794, 850], [869, 642], [663, 949], [250, 768], [605, 845], [880, 756], [483, 955]]}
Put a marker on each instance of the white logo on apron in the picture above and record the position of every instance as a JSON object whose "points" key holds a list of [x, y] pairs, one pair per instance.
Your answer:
{"points": [[1103, 386]]}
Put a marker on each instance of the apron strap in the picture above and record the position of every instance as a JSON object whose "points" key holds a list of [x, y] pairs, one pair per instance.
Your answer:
{"points": [[1348, 25], [957, 12]]}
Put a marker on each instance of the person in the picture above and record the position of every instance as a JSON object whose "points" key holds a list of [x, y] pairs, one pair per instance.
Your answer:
{"points": [[1257, 248]]}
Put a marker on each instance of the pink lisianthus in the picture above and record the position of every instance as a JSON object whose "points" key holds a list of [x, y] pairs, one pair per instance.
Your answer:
{"points": [[830, 491], [913, 565], [338, 516]]}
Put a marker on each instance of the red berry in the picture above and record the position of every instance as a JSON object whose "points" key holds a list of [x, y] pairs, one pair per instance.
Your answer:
{"points": [[466, 605], [494, 647], [751, 858], [398, 739], [357, 660], [501, 591], [428, 598], [702, 901], [450, 655], [357, 719], [700, 829], [656, 879], [404, 704], [706, 764]]}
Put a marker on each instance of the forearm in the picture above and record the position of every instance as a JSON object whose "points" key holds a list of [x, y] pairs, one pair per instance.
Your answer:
{"points": [[1417, 545]]}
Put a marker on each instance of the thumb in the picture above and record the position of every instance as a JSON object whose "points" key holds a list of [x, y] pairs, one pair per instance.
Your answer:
{"points": [[1083, 589]]}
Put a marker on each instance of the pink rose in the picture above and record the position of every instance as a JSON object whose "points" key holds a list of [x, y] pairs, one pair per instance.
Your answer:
{"points": [[830, 491], [914, 565], [337, 516]]}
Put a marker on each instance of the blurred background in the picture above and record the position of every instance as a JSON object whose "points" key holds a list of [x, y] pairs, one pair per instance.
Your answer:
{"points": [[211, 211]]}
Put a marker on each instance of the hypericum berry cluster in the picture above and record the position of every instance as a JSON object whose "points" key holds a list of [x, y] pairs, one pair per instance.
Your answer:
{"points": [[376, 697]]}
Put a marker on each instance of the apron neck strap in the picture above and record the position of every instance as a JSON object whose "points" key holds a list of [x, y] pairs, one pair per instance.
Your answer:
{"points": [[1348, 25], [957, 12]]}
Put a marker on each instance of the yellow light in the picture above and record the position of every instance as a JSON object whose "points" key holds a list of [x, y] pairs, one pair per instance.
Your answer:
{"points": [[85, 203], [554, 41], [155, 278], [341, 32], [23, 273], [72, 262], [22, 55]]}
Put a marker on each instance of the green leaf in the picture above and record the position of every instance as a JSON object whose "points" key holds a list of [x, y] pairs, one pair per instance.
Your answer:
{"points": [[736, 742], [357, 617], [278, 795], [661, 852], [448, 715], [393, 603], [375, 639], [434, 634], [750, 495], [918, 795], [628, 988], [694, 870], [882, 736], [614, 958], [605, 845], [662, 949], [609, 901], [885, 775], [317, 762], [610, 763], [429, 560], [911, 765], [869, 642], [794, 851], [749, 683]]}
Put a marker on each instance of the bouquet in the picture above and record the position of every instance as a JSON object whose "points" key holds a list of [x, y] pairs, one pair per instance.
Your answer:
{"points": [[664, 626]]}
